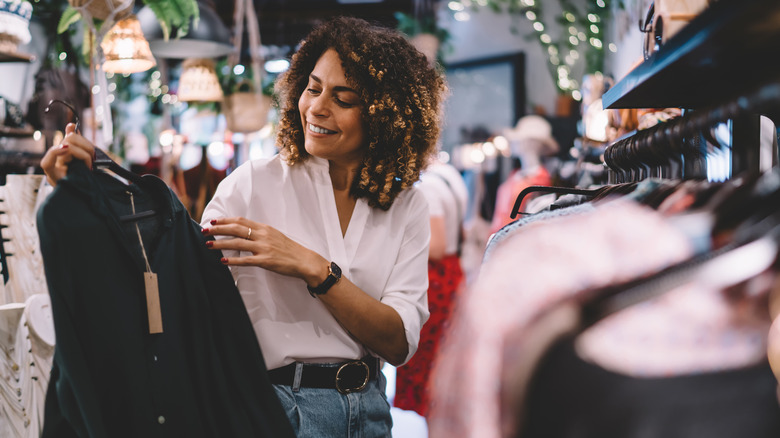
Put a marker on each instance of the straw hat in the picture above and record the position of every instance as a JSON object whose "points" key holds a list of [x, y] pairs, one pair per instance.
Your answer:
{"points": [[532, 131]]}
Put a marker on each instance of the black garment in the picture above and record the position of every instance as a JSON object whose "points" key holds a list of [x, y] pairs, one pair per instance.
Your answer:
{"points": [[204, 376], [571, 398]]}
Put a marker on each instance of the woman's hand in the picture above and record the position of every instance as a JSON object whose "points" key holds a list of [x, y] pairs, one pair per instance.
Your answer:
{"points": [[56, 160], [270, 249]]}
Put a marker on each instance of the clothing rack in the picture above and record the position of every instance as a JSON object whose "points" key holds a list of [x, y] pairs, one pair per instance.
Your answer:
{"points": [[679, 148]]}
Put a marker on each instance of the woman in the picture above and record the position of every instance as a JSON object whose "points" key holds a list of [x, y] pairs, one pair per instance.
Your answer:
{"points": [[328, 241]]}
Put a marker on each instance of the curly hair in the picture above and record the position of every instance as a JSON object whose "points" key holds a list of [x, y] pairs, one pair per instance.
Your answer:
{"points": [[401, 96]]}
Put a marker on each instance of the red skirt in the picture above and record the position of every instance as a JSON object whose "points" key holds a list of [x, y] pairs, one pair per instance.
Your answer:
{"points": [[411, 384]]}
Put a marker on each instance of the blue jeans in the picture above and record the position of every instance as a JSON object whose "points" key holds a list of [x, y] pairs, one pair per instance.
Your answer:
{"points": [[326, 413]]}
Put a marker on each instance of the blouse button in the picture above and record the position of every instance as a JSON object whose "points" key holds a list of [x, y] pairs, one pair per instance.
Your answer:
{"points": [[161, 419]]}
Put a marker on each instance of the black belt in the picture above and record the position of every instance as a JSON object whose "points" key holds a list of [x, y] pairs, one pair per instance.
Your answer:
{"points": [[345, 377]]}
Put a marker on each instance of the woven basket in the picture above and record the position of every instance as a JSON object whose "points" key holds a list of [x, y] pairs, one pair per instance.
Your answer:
{"points": [[101, 9], [246, 111]]}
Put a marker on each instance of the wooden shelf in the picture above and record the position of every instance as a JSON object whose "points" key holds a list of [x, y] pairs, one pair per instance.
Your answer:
{"points": [[16, 57], [7, 131], [729, 50]]}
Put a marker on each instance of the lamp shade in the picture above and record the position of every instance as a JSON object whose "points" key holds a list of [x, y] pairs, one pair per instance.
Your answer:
{"points": [[210, 39], [125, 48], [198, 81]]}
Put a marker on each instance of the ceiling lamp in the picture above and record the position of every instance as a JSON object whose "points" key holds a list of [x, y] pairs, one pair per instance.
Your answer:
{"points": [[198, 81], [125, 48], [210, 39]]}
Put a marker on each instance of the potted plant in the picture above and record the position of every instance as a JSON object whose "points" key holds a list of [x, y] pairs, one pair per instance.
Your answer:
{"points": [[424, 33]]}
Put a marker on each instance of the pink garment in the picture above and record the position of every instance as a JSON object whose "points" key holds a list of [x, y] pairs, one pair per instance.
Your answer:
{"points": [[508, 190], [529, 273]]}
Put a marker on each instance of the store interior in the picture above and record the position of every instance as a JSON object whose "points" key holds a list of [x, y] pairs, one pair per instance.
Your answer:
{"points": [[626, 91]]}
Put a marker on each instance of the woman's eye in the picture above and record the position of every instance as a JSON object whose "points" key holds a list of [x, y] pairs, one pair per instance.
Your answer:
{"points": [[312, 91], [340, 102]]}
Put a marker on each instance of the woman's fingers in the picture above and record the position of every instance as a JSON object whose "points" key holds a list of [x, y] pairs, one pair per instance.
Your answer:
{"points": [[56, 160], [237, 227], [264, 246], [236, 244], [234, 230]]}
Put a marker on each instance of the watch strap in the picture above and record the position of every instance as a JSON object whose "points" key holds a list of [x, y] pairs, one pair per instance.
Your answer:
{"points": [[334, 274]]}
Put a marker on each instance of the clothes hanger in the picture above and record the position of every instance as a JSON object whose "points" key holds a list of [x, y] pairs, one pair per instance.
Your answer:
{"points": [[549, 189], [101, 160]]}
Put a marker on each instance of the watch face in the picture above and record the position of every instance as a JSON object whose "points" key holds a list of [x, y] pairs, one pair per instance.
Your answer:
{"points": [[334, 268]]}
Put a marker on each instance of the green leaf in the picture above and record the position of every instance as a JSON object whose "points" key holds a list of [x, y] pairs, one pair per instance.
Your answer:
{"points": [[159, 11], [69, 16]]}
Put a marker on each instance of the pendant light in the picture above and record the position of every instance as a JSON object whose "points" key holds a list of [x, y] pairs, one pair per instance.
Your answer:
{"points": [[198, 81], [125, 48], [211, 38]]}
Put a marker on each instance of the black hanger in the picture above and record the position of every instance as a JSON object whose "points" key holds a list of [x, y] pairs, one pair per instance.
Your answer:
{"points": [[101, 160], [550, 189]]}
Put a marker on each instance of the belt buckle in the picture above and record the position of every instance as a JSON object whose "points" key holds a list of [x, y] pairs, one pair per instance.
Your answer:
{"points": [[358, 363]]}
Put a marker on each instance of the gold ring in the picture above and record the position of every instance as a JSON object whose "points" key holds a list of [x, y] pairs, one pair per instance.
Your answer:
{"points": [[249, 233]]}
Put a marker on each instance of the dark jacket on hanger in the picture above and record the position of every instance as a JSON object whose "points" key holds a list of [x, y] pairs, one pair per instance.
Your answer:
{"points": [[203, 376]]}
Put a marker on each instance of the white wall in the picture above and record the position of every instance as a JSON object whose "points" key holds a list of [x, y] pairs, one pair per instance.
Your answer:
{"points": [[488, 34]]}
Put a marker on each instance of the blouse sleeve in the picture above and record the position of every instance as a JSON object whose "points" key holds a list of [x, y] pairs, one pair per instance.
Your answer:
{"points": [[407, 286]]}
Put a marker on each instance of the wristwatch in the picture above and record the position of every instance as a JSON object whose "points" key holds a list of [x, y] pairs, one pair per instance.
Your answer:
{"points": [[334, 274]]}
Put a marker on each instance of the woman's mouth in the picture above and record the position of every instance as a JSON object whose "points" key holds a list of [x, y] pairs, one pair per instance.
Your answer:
{"points": [[319, 130]]}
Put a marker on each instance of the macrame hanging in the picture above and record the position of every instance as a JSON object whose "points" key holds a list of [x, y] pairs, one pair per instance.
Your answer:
{"points": [[246, 107]]}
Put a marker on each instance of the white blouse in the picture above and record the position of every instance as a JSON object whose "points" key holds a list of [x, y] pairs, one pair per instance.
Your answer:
{"points": [[447, 197], [384, 253]]}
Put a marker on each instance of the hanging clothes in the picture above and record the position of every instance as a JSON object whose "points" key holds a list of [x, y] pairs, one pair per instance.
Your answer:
{"points": [[532, 272], [530, 293], [570, 397], [203, 376]]}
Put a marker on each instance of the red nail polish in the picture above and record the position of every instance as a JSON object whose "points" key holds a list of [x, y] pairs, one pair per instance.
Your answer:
{"points": [[63, 146], [204, 230], [213, 222], [224, 261], [209, 243]]}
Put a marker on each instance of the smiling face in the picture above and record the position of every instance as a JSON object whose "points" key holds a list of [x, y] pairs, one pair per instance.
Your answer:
{"points": [[331, 114]]}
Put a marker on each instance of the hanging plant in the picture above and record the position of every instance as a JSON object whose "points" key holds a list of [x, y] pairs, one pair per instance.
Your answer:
{"points": [[171, 14]]}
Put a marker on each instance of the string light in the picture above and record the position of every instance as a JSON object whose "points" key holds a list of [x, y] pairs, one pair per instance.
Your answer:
{"points": [[456, 6], [581, 27], [462, 16]]}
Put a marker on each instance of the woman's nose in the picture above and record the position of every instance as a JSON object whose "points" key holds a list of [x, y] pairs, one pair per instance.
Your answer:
{"points": [[318, 106]]}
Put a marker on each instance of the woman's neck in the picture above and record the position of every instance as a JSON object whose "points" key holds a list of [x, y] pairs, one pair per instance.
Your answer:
{"points": [[342, 177]]}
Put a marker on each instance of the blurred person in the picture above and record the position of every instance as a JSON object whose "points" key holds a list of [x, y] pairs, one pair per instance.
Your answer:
{"points": [[447, 196]]}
